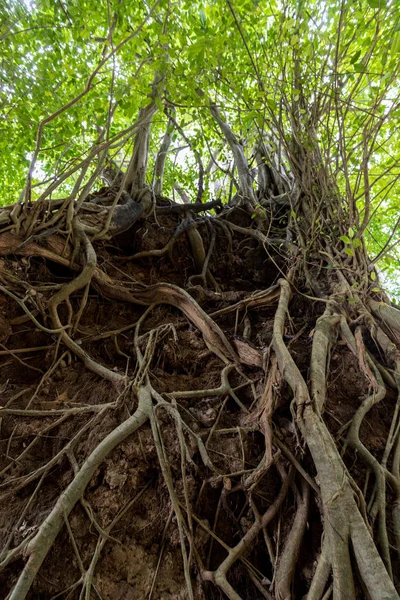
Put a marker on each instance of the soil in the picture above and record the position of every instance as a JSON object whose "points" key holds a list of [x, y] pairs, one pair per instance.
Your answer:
{"points": [[142, 558]]}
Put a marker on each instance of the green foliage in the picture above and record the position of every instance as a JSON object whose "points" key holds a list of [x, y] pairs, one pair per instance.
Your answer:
{"points": [[334, 65]]}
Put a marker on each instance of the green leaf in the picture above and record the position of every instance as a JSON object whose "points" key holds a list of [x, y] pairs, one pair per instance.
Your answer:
{"points": [[349, 251], [203, 18], [45, 63], [345, 239], [373, 276], [197, 47], [395, 47], [159, 104], [355, 57], [376, 289], [377, 3]]}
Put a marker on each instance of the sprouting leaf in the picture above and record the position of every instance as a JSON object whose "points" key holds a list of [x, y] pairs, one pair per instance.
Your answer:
{"points": [[356, 243], [376, 289], [293, 214], [373, 275], [349, 251], [350, 231], [345, 239]]}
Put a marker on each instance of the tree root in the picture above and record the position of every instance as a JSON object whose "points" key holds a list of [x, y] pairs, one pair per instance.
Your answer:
{"points": [[38, 547], [255, 513], [344, 523], [287, 561], [219, 575]]}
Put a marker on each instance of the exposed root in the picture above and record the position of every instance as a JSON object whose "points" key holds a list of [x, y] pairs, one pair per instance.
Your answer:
{"points": [[38, 547], [231, 423]]}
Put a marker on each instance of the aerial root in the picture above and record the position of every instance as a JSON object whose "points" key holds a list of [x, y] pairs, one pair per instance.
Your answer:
{"points": [[156, 294], [16, 484], [377, 508], [195, 240], [171, 489], [38, 547], [322, 571], [225, 389], [342, 517], [347, 519], [288, 559], [86, 579], [219, 576], [82, 280], [204, 270]]}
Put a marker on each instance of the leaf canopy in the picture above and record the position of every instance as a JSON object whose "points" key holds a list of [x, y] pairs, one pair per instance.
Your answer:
{"points": [[317, 74]]}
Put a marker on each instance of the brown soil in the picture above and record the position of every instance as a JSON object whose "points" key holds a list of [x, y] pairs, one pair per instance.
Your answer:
{"points": [[144, 550]]}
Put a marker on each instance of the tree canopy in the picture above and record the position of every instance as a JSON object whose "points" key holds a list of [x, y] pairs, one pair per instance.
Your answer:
{"points": [[73, 71]]}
